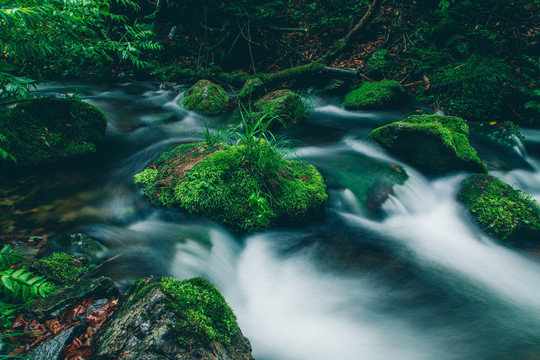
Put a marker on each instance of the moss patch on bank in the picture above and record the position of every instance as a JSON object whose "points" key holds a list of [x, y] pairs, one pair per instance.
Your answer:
{"points": [[376, 96], [216, 181], [48, 130], [434, 144], [499, 209]]}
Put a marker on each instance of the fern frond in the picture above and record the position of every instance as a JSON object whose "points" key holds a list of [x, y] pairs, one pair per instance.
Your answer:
{"points": [[8, 256], [22, 285]]}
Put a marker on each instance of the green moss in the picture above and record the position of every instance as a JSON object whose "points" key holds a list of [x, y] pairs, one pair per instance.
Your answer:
{"points": [[146, 177], [285, 104], [49, 130], [206, 97], [434, 143], [376, 96], [304, 197], [501, 211], [138, 289], [219, 185], [61, 267], [204, 315], [381, 62]]}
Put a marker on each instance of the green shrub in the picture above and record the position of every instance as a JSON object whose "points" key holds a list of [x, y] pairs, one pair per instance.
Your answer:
{"points": [[381, 63], [473, 89], [49, 130]]}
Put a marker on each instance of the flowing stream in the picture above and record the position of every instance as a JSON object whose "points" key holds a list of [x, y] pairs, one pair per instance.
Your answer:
{"points": [[416, 280]]}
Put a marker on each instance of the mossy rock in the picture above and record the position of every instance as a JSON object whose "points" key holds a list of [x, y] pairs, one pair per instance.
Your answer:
{"points": [[500, 210], [164, 318], [283, 104], [61, 267], [253, 88], [376, 96], [206, 97], [216, 181], [434, 144], [46, 131]]}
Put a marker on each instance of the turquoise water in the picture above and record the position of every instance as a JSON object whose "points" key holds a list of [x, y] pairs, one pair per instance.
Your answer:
{"points": [[415, 280]]}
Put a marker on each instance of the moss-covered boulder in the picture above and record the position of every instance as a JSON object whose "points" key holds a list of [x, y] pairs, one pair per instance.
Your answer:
{"points": [[285, 104], [46, 131], [220, 182], [253, 88], [170, 319], [434, 144], [376, 96], [499, 209], [206, 97]]}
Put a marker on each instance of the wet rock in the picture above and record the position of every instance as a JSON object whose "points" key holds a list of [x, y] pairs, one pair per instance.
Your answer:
{"points": [[78, 243], [284, 104], [206, 97], [149, 325], [51, 349], [69, 295], [371, 180], [376, 96], [46, 131], [500, 210], [434, 144], [499, 145]]}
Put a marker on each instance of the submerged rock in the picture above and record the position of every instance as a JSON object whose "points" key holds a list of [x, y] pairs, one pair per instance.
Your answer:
{"points": [[371, 180], [206, 97], [170, 319], [225, 184], [284, 104], [376, 96], [500, 210], [499, 145], [46, 131], [434, 144]]}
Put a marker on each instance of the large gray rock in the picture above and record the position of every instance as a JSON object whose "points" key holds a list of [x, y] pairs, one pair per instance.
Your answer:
{"points": [[148, 327]]}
